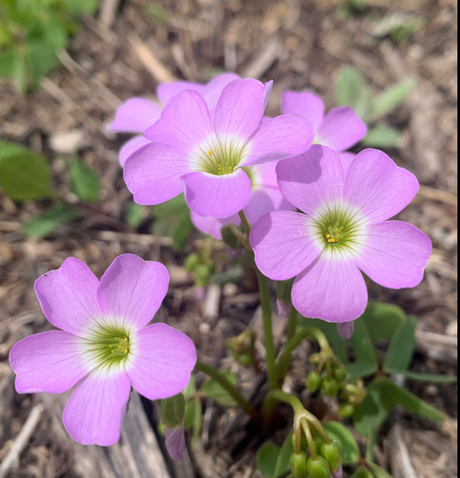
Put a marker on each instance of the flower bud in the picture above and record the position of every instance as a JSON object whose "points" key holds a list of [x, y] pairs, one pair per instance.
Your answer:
{"points": [[283, 308], [298, 464], [345, 329], [313, 381], [245, 360], [329, 387], [362, 473], [318, 468], [338, 473], [191, 262], [340, 372], [332, 454], [346, 410]]}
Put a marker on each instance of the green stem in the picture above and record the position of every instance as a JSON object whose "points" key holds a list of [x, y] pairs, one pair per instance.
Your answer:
{"points": [[222, 380], [245, 223], [309, 437], [280, 396], [269, 343], [292, 324], [296, 340]]}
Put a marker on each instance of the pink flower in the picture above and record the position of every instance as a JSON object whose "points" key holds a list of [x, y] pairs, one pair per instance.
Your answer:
{"points": [[266, 197], [339, 129], [104, 346], [342, 230], [135, 115], [205, 153]]}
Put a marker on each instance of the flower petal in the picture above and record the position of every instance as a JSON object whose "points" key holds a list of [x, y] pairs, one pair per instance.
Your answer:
{"points": [[213, 89], [130, 147], [377, 186], [132, 290], [47, 362], [395, 254], [305, 104], [175, 442], [166, 91], [135, 116], [68, 296], [94, 412], [240, 108], [341, 129], [345, 329], [346, 159], [282, 244], [217, 196], [312, 179], [163, 361], [185, 123], [279, 138], [265, 200], [213, 225], [153, 173], [332, 289]]}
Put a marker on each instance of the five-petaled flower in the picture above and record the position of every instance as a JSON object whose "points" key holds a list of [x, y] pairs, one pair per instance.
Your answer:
{"points": [[339, 129], [105, 346], [205, 152], [136, 114], [342, 231]]}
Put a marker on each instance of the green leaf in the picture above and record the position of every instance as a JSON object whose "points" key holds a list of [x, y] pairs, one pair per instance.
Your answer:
{"points": [[378, 472], [193, 418], [382, 320], [373, 410], [42, 59], [135, 215], [84, 182], [411, 402], [81, 7], [44, 224], [389, 99], [399, 354], [362, 472], [339, 346], [211, 389], [181, 230], [282, 463], [24, 175], [366, 358], [190, 389], [340, 433], [426, 377], [266, 459], [351, 90], [171, 208], [382, 137], [12, 65]]}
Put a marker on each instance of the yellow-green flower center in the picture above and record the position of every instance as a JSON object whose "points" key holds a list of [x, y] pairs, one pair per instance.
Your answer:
{"points": [[221, 157], [108, 345]]}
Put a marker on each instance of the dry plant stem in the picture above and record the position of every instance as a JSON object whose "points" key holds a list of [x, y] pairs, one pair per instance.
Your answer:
{"points": [[265, 303], [296, 340], [222, 380]]}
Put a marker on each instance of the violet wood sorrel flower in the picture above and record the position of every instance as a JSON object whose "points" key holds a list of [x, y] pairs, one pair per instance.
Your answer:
{"points": [[339, 129], [135, 115], [104, 346], [341, 231], [266, 197], [205, 152]]}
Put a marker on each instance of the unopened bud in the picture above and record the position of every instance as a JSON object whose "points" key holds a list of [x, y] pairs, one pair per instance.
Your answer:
{"points": [[340, 372], [345, 329], [329, 387], [313, 381], [362, 473], [332, 454], [346, 410], [338, 473], [318, 468], [190, 262], [283, 308], [298, 464]]}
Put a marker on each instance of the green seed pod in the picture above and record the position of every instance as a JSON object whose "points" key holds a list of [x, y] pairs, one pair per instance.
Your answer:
{"points": [[340, 372], [298, 465], [332, 453], [329, 387], [346, 410], [191, 262], [318, 468], [313, 381]]}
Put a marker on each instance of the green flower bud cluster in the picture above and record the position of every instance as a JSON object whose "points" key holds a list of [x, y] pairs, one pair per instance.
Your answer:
{"points": [[330, 378], [327, 459], [201, 266], [242, 347]]}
